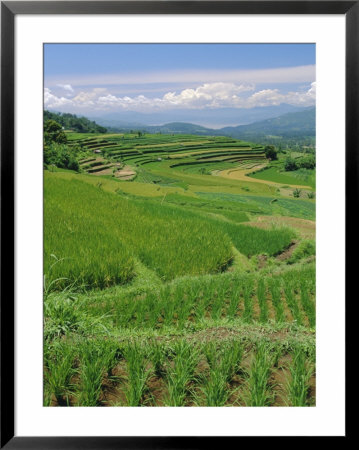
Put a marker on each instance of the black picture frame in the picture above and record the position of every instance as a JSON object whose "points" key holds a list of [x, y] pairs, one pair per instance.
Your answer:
{"points": [[9, 9]]}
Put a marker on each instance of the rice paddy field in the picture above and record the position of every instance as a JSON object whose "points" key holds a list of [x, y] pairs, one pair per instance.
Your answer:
{"points": [[167, 284], [300, 176]]}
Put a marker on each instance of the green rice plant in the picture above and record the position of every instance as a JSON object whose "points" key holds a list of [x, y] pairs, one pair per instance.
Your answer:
{"points": [[292, 301], [181, 373], [168, 305], [231, 357], [94, 361], [138, 374], [200, 305], [298, 384], [265, 205], [248, 301], [194, 292], [157, 355], [215, 388], [307, 304], [235, 298], [258, 388], [253, 241], [184, 309], [209, 288], [210, 351], [216, 309], [140, 312], [59, 369], [220, 298], [68, 206], [110, 352], [153, 309], [223, 363], [125, 311], [97, 234], [275, 290], [261, 294]]}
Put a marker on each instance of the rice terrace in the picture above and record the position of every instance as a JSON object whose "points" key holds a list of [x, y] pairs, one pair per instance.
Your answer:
{"points": [[179, 260]]}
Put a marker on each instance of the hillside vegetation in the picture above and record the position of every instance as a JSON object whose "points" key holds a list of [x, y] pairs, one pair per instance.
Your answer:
{"points": [[74, 123]]}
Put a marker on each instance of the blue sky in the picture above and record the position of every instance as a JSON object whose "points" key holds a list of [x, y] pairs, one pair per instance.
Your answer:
{"points": [[78, 59], [98, 78]]}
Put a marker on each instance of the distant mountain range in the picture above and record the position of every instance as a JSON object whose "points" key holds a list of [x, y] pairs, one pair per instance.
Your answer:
{"points": [[208, 118], [291, 126]]}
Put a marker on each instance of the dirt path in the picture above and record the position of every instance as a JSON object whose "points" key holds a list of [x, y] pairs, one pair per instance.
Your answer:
{"points": [[242, 175], [287, 253]]}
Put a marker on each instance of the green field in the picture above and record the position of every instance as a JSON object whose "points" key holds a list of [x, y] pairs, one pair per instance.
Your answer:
{"points": [[166, 287], [305, 177]]}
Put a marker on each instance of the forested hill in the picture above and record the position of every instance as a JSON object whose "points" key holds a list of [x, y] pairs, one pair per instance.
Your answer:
{"points": [[180, 128], [75, 123], [295, 128], [287, 125], [290, 125]]}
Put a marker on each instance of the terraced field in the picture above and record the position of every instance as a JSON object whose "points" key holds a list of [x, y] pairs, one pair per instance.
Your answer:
{"points": [[187, 151], [167, 284]]}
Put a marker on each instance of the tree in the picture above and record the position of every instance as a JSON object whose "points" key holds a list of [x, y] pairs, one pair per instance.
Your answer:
{"points": [[307, 162], [56, 152], [72, 122], [290, 164], [53, 132], [271, 152]]}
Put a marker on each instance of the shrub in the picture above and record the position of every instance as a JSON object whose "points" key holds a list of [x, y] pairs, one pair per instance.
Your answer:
{"points": [[290, 164], [60, 155], [271, 152]]}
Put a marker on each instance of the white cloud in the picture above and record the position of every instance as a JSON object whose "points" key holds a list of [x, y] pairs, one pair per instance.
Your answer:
{"points": [[207, 95], [269, 97], [211, 95], [85, 99], [52, 101], [66, 87]]}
